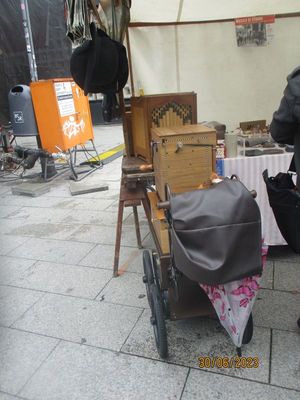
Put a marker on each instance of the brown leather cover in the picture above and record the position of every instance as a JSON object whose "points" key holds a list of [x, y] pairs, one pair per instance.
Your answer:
{"points": [[216, 233]]}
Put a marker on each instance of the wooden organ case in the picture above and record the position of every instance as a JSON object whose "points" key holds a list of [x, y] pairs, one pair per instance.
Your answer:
{"points": [[161, 110]]}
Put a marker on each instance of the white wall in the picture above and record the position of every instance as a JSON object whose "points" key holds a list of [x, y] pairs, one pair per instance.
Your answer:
{"points": [[232, 83]]}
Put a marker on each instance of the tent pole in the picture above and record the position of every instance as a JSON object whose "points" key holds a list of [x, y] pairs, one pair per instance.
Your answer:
{"points": [[29, 40], [129, 62], [126, 133]]}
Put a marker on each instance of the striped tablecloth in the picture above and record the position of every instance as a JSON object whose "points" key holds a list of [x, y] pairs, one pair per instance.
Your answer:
{"points": [[249, 170]]}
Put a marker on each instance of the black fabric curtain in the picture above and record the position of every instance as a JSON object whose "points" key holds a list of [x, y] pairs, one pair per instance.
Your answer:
{"points": [[52, 47]]}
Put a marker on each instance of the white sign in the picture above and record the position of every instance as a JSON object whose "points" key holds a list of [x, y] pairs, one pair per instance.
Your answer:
{"points": [[18, 117], [254, 31], [72, 128], [64, 97]]}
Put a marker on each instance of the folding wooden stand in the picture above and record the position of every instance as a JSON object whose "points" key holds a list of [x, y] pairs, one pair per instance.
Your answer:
{"points": [[132, 194]]}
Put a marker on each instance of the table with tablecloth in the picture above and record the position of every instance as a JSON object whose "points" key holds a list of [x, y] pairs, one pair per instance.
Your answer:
{"points": [[249, 170]]}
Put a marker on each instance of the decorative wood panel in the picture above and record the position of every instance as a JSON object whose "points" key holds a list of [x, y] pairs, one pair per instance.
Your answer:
{"points": [[163, 110]]}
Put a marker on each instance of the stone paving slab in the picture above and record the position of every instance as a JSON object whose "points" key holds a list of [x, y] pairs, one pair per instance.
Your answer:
{"points": [[4, 396], [19, 201], [31, 189], [267, 276], [142, 221], [64, 279], [79, 188], [4, 189], [21, 354], [5, 211], [14, 302], [286, 359], [111, 194], [43, 230], [102, 256], [79, 320], [135, 264], [61, 251], [81, 203], [276, 309], [107, 235], [283, 253], [8, 227], [287, 276], [83, 373], [9, 243], [127, 289], [190, 339], [148, 242], [204, 385], [39, 214], [11, 268], [87, 217]]}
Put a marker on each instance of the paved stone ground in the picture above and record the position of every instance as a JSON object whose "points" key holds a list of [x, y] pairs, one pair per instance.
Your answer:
{"points": [[68, 330]]}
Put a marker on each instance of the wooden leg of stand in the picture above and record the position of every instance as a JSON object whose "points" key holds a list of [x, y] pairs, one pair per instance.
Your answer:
{"points": [[118, 237], [147, 209], [137, 227]]}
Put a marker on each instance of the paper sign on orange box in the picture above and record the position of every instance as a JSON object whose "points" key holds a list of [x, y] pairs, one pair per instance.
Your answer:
{"points": [[62, 114]]}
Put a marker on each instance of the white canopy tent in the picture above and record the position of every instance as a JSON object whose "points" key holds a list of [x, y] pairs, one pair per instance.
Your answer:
{"points": [[203, 10], [190, 45]]}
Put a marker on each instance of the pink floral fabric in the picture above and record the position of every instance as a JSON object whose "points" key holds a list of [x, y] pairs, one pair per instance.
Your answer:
{"points": [[233, 302]]}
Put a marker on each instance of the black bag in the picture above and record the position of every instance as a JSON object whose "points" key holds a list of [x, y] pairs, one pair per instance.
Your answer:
{"points": [[100, 65], [285, 202], [216, 233]]}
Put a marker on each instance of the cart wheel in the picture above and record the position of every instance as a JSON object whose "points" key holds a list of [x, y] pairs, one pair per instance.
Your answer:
{"points": [[158, 322], [248, 333], [148, 278]]}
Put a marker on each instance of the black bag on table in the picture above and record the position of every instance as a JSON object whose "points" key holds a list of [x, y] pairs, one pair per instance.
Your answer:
{"points": [[285, 202]]}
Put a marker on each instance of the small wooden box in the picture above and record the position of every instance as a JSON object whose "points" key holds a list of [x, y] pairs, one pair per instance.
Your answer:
{"points": [[159, 110], [183, 156], [159, 223]]}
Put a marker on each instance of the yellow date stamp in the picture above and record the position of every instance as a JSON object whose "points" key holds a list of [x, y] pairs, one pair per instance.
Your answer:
{"points": [[228, 362]]}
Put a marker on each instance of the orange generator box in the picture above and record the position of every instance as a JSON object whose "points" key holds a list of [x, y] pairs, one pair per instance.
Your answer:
{"points": [[62, 114]]}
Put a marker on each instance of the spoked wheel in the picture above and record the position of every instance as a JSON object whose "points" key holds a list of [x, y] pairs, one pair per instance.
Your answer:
{"points": [[248, 333], [148, 278], [158, 322]]}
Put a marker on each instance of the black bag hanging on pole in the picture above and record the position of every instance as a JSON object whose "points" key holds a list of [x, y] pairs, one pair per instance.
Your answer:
{"points": [[285, 202]]}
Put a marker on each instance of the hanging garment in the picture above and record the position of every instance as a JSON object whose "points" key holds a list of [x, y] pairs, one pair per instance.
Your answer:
{"points": [[110, 107], [115, 16], [77, 20], [100, 65]]}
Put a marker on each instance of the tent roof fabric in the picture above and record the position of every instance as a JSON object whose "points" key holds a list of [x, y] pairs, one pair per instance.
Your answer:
{"points": [[150, 11]]}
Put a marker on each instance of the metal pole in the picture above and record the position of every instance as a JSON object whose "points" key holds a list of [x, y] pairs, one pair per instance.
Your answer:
{"points": [[29, 41]]}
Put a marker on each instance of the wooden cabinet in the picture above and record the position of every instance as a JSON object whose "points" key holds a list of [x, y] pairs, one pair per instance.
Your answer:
{"points": [[183, 157], [160, 110]]}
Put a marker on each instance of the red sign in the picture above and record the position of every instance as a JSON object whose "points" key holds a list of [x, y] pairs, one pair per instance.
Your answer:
{"points": [[263, 19]]}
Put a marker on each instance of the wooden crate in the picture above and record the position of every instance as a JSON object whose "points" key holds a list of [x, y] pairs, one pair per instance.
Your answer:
{"points": [[159, 110], [159, 223], [183, 156]]}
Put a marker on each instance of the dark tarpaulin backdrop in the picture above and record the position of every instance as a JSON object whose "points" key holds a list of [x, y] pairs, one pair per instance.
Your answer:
{"points": [[52, 47]]}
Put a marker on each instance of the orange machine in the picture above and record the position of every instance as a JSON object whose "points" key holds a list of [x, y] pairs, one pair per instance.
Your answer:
{"points": [[62, 113]]}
